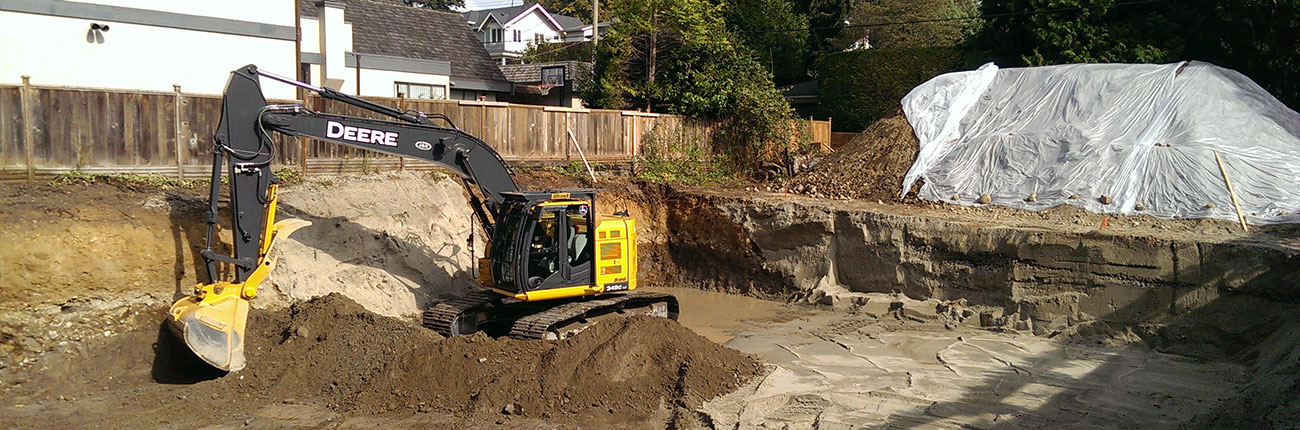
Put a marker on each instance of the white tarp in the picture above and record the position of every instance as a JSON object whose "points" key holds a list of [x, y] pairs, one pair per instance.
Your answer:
{"points": [[1140, 134]]}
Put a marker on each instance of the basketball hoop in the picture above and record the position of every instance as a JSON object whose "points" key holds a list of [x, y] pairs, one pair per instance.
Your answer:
{"points": [[545, 88]]}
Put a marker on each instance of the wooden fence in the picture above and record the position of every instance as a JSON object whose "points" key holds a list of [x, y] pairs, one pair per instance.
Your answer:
{"points": [[45, 131]]}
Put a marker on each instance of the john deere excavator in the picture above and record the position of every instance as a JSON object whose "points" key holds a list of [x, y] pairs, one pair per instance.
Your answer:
{"points": [[552, 265]]}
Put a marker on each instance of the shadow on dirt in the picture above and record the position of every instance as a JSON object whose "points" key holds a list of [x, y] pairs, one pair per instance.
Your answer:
{"points": [[175, 364]]}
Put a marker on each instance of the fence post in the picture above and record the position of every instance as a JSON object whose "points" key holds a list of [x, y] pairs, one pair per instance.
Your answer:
{"points": [[29, 134], [401, 161], [302, 142], [176, 121], [566, 131]]}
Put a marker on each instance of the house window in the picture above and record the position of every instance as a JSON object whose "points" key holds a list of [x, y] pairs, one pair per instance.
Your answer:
{"points": [[420, 91], [539, 37], [519, 36], [496, 35]]}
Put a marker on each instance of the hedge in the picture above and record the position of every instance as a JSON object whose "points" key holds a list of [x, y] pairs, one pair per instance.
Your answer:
{"points": [[859, 87]]}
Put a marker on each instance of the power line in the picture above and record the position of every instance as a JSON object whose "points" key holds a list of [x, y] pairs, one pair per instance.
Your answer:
{"points": [[960, 18]]}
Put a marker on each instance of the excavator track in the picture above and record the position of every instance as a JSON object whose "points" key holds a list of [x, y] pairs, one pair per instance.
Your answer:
{"points": [[487, 310], [449, 318], [563, 320]]}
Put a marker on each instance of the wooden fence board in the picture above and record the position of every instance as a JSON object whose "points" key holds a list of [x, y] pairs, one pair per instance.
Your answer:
{"points": [[12, 148], [128, 131]]}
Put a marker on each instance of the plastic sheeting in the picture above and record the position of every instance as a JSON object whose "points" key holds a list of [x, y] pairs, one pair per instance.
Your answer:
{"points": [[1139, 134]]}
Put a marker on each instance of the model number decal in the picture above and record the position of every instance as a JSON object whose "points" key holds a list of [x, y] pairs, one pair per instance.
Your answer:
{"points": [[621, 286], [336, 130]]}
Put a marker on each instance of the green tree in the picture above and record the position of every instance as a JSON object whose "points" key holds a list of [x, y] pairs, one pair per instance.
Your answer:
{"points": [[1260, 38], [676, 56], [1078, 31], [825, 21], [557, 51], [775, 33], [435, 4], [580, 9], [941, 23]]}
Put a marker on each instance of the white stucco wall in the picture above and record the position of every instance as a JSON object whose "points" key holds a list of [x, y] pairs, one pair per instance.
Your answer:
{"points": [[60, 51], [276, 12]]}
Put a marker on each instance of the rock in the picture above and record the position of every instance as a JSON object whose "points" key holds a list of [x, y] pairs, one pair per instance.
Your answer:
{"points": [[1033, 197], [1140, 207], [985, 199], [248, 422], [1210, 205], [510, 409], [1105, 199], [302, 332], [482, 360], [1025, 325], [1074, 197], [956, 197]]}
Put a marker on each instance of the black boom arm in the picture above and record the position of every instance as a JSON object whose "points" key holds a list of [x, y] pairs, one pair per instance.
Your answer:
{"points": [[244, 138]]}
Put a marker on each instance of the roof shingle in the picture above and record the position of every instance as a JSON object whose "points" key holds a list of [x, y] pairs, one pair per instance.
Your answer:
{"points": [[388, 27]]}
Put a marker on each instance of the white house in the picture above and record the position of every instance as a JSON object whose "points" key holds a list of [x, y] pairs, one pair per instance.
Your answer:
{"points": [[152, 45], [507, 31], [383, 48], [144, 44]]}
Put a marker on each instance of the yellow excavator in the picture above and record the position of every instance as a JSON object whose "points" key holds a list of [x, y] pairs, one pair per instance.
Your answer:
{"points": [[551, 267]]}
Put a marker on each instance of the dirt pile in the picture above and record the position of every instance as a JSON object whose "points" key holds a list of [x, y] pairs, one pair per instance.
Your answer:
{"points": [[332, 353], [628, 366], [871, 166]]}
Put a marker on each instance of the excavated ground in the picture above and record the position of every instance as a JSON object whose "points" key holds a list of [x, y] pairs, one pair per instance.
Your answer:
{"points": [[941, 316]]}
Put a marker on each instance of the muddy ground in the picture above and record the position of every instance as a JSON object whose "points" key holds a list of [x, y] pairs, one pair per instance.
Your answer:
{"points": [[85, 271]]}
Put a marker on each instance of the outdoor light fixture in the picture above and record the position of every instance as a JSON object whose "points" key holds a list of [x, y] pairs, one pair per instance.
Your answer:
{"points": [[96, 32]]}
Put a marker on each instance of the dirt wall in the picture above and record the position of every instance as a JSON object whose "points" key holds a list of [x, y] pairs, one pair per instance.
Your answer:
{"points": [[1046, 280]]}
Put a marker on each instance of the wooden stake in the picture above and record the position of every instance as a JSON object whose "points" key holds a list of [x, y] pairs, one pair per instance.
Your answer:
{"points": [[1231, 193]]}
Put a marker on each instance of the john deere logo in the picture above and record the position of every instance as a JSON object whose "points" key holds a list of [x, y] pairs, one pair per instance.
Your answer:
{"points": [[423, 146]]}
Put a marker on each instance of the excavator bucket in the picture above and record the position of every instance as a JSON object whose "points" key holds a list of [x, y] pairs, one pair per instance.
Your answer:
{"points": [[213, 329], [211, 321]]}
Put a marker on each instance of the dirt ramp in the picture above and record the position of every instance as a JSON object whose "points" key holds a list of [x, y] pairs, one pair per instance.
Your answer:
{"points": [[632, 366]]}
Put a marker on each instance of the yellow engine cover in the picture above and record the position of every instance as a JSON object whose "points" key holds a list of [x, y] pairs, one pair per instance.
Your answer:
{"points": [[615, 254]]}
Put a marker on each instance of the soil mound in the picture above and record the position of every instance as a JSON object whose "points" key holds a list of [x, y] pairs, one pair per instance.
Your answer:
{"points": [[631, 365], [871, 166], [332, 352]]}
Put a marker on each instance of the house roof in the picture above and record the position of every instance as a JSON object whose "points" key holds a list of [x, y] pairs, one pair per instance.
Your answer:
{"points": [[475, 18], [388, 27], [532, 72], [568, 22]]}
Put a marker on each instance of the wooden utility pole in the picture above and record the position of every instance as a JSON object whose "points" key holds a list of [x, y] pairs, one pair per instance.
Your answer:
{"points": [[654, 45], [595, 22]]}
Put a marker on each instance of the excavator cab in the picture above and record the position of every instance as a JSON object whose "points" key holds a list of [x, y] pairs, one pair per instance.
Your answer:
{"points": [[547, 247]]}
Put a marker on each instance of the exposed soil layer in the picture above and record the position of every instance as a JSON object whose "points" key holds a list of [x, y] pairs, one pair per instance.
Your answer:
{"points": [[871, 166], [333, 353]]}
